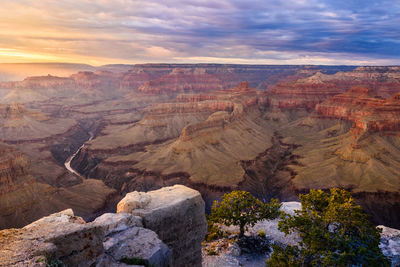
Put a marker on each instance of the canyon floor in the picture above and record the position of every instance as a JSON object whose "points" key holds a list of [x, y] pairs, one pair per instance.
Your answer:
{"points": [[275, 131]]}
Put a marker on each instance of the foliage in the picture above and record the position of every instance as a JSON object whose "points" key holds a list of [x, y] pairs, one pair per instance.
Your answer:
{"points": [[254, 245], [50, 261], [134, 261], [242, 209], [213, 231], [333, 231], [212, 252], [284, 257], [261, 233]]}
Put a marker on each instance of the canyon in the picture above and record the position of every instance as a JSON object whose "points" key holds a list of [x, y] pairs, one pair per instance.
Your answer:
{"points": [[275, 131]]}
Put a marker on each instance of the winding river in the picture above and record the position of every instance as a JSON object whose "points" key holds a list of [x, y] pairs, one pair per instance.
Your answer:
{"points": [[67, 164]]}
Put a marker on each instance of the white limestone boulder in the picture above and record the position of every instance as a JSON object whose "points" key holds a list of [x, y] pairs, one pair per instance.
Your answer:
{"points": [[177, 215]]}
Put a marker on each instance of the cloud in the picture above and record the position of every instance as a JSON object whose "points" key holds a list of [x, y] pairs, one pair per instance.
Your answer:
{"points": [[274, 31]]}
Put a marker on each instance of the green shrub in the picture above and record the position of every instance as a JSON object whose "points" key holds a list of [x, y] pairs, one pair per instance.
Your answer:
{"points": [[261, 233], [50, 261], [213, 231], [134, 261], [212, 252], [333, 231], [242, 209]]}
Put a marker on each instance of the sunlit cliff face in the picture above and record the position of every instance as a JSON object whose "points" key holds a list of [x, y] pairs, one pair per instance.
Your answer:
{"points": [[228, 31]]}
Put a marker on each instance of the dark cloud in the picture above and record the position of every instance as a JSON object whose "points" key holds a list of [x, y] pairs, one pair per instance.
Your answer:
{"points": [[359, 31]]}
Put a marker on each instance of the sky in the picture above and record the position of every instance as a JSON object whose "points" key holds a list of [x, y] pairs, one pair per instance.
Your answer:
{"points": [[97, 32]]}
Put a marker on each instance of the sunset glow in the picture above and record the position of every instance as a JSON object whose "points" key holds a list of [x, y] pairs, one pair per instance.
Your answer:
{"points": [[257, 32]]}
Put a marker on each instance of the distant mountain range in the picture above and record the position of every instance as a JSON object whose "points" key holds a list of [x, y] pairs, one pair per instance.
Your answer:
{"points": [[19, 71]]}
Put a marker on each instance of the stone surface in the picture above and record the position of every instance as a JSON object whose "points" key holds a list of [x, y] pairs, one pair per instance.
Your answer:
{"points": [[111, 222], [364, 108], [176, 214], [106, 260], [62, 235], [132, 201], [390, 244], [139, 243], [173, 214], [70, 240]]}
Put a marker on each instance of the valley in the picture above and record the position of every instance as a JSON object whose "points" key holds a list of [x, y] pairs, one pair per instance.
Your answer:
{"points": [[84, 140]]}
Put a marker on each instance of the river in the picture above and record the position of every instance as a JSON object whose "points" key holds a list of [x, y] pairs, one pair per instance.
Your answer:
{"points": [[67, 164]]}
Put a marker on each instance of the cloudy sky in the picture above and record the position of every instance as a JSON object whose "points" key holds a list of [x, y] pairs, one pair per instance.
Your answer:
{"points": [[223, 31]]}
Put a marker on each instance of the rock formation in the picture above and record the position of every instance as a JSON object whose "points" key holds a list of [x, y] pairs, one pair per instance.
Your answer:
{"points": [[301, 94], [176, 214], [168, 232], [183, 80], [155, 125], [18, 124], [367, 111], [310, 91], [210, 134]]}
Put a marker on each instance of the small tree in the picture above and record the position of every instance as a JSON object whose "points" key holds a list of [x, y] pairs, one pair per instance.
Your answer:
{"points": [[242, 209], [333, 231]]}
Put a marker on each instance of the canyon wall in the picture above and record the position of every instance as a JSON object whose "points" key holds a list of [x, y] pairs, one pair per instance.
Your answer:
{"points": [[285, 130]]}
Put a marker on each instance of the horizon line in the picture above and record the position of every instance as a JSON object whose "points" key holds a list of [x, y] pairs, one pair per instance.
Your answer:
{"points": [[191, 63]]}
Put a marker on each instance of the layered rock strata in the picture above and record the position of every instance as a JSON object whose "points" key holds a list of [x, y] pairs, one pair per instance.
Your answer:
{"points": [[367, 111], [201, 136], [18, 124], [310, 91]]}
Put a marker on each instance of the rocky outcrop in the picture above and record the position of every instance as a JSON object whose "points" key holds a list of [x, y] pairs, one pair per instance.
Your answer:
{"points": [[47, 82], [390, 244], [168, 232], [176, 214], [301, 95], [134, 78], [207, 136], [25, 199], [183, 80], [164, 121], [64, 238], [19, 124], [105, 83], [367, 111], [12, 166], [310, 91], [194, 107]]}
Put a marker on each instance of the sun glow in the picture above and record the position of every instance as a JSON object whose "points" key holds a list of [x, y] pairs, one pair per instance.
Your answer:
{"points": [[12, 55]]}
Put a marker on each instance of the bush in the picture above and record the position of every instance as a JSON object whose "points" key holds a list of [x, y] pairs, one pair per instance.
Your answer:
{"points": [[254, 245], [261, 233], [212, 252], [50, 261], [213, 231], [134, 261], [333, 231], [242, 209]]}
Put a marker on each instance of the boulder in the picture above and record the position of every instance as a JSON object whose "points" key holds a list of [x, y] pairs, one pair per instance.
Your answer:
{"points": [[390, 244], [174, 218], [111, 222], [61, 235], [176, 214], [139, 244], [132, 201], [65, 238]]}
